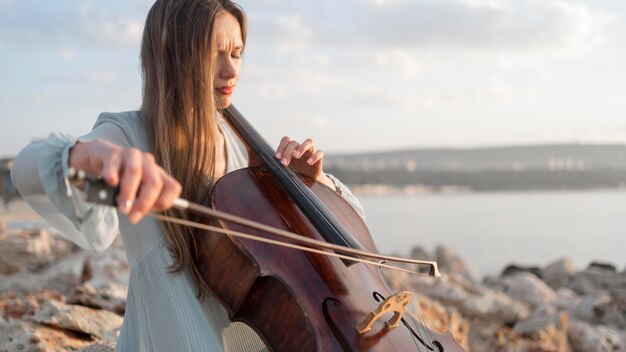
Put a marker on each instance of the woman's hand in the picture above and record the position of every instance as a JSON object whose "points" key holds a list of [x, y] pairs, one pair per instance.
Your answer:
{"points": [[303, 158], [133, 170]]}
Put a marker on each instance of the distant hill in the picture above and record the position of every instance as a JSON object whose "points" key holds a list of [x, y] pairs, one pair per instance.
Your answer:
{"points": [[569, 166]]}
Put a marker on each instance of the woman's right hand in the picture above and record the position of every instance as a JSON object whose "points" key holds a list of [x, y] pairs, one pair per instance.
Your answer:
{"points": [[130, 169]]}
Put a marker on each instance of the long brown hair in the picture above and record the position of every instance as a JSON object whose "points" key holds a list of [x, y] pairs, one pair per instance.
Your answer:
{"points": [[177, 58]]}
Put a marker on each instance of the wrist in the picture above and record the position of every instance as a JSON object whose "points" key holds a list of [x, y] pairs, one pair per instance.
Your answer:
{"points": [[79, 157], [328, 182]]}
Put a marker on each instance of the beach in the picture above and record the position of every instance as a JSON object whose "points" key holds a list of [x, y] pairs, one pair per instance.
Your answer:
{"points": [[55, 296]]}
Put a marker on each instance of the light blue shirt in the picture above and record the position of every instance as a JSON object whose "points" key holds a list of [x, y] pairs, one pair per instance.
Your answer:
{"points": [[162, 311]]}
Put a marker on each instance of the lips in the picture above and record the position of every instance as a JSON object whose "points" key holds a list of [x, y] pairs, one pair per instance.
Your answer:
{"points": [[226, 90]]}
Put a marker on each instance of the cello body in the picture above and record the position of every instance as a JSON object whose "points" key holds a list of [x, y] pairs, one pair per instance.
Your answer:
{"points": [[297, 301]]}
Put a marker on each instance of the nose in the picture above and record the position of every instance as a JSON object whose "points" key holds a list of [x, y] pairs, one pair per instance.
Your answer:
{"points": [[228, 70]]}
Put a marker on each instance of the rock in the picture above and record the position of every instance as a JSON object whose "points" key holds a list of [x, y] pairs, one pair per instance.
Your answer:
{"points": [[106, 286], [29, 251], [586, 308], [472, 299], [544, 309], [548, 331], [26, 336], [420, 253], [62, 277], [451, 263], [600, 266], [591, 281], [487, 337], [13, 306], [566, 299], [584, 338], [558, 273], [441, 319], [528, 288], [109, 296], [514, 269], [612, 313], [107, 346], [18, 336], [99, 323]]}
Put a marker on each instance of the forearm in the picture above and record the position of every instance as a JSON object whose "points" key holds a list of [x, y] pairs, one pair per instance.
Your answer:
{"points": [[79, 157]]}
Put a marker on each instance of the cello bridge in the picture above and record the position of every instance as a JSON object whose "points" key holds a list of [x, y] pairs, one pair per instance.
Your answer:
{"points": [[398, 304]]}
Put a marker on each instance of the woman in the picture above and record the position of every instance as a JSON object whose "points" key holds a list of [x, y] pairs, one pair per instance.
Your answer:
{"points": [[177, 144]]}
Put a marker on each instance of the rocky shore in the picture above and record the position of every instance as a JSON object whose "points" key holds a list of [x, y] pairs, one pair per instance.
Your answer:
{"points": [[55, 296], [554, 308]]}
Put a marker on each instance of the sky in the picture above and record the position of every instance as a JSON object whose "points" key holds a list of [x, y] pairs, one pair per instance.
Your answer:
{"points": [[354, 75]]}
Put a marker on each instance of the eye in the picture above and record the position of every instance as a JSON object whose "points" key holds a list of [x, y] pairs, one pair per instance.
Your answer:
{"points": [[236, 55]]}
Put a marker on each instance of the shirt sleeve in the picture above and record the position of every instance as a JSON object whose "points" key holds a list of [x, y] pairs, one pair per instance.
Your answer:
{"points": [[40, 174], [347, 195]]}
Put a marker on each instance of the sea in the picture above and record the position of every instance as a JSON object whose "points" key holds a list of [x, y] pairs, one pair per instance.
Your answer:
{"points": [[492, 230], [487, 230]]}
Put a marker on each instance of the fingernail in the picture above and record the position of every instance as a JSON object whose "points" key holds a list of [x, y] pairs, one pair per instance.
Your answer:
{"points": [[277, 155], [310, 161], [284, 161], [125, 206], [134, 217], [296, 153]]}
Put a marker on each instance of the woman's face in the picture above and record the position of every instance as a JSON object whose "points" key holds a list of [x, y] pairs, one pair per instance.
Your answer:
{"points": [[228, 63]]}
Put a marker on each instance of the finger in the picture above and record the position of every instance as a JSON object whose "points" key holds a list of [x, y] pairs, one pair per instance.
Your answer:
{"points": [[288, 152], [307, 145], [151, 188], [317, 156], [281, 147], [132, 171], [171, 191], [111, 169]]}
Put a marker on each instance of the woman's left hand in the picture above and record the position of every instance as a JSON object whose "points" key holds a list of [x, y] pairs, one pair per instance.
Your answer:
{"points": [[303, 158]]}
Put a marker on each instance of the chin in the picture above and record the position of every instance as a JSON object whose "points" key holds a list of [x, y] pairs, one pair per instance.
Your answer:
{"points": [[223, 103]]}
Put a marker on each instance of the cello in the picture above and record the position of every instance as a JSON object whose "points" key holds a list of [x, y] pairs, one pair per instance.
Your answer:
{"points": [[296, 300]]}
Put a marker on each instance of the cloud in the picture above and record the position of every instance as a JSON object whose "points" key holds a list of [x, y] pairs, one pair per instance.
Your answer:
{"points": [[69, 25], [103, 29], [287, 32], [44, 96], [67, 54], [496, 25], [316, 121], [399, 59], [409, 39], [8, 101], [99, 77], [529, 26]]}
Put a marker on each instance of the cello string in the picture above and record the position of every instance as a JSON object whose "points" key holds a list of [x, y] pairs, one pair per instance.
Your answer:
{"points": [[417, 313], [420, 335], [286, 170], [422, 324], [310, 197]]}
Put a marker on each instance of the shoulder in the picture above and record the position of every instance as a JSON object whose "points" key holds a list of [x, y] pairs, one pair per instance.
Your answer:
{"points": [[126, 119], [131, 123]]}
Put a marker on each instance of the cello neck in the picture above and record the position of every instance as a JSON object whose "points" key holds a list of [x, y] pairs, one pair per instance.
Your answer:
{"points": [[324, 221]]}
